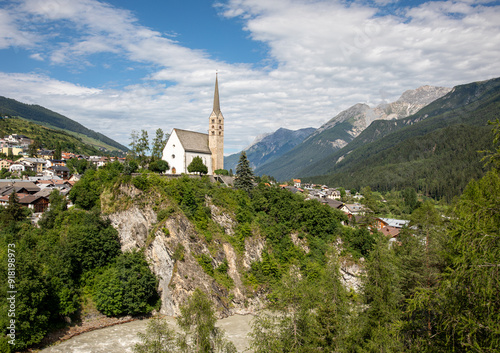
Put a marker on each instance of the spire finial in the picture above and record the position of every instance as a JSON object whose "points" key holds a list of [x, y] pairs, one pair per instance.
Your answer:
{"points": [[216, 94]]}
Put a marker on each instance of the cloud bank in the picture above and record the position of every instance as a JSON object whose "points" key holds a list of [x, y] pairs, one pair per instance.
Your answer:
{"points": [[322, 57]]}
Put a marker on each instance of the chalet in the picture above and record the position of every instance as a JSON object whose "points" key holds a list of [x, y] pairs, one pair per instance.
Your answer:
{"points": [[390, 227], [391, 222], [24, 187], [354, 209], [333, 194], [36, 203]]}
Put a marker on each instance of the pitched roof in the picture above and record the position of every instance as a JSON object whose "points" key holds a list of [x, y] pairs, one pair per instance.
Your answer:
{"points": [[396, 223], [390, 231], [193, 141], [31, 199]]}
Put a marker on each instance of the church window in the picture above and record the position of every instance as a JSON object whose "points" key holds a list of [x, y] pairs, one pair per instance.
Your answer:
{"points": [[213, 132], [173, 156], [212, 126], [220, 133], [219, 121], [220, 127], [173, 146], [213, 121]]}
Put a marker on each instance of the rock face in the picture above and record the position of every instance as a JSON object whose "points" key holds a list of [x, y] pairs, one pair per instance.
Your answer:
{"points": [[172, 247]]}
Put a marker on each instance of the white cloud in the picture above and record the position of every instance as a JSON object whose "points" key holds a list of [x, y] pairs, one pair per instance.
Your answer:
{"points": [[325, 57]]}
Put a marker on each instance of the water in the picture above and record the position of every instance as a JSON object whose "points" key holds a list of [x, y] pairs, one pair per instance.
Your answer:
{"points": [[122, 338]]}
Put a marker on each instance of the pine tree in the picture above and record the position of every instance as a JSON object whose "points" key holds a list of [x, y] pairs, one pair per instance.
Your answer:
{"points": [[197, 166], [376, 327], [158, 145], [244, 174]]}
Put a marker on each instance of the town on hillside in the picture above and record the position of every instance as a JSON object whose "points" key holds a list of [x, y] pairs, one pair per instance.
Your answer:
{"points": [[34, 178], [357, 213]]}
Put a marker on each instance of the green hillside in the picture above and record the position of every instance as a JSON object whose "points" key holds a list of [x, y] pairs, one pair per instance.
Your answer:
{"points": [[46, 117], [49, 138], [434, 151]]}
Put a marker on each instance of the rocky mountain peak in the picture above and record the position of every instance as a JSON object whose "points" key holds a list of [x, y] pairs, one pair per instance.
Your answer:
{"points": [[423, 95]]}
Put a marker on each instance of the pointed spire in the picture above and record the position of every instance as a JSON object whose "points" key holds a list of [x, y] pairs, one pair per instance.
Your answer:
{"points": [[216, 96]]}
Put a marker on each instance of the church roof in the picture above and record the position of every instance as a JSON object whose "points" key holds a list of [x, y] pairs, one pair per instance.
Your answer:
{"points": [[193, 141]]}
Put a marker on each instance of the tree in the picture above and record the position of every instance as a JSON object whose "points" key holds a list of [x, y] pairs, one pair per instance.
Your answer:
{"points": [[159, 166], [244, 174], [158, 338], [58, 151], [14, 211], [134, 136], [375, 328], [197, 320], [221, 172], [466, 301], [158, 144], [128, 287], [197, 166]]}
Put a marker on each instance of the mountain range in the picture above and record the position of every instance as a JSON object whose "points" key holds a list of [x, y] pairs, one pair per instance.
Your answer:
{"points": [[436, 150], [343, 128], [428, 139]]}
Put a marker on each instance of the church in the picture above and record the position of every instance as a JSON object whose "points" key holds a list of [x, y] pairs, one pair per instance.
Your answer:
{"points": [[183, 145]]}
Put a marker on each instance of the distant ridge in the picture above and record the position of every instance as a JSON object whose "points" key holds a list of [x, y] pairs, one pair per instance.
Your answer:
{"points": [[268, 147], [49, 118], [344, 127]]}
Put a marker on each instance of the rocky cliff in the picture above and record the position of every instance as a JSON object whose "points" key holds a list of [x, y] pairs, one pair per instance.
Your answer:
{"points": [[173, 246]]}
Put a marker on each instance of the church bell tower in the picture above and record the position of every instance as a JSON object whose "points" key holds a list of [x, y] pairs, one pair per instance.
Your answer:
{"points": [[216, 132]]}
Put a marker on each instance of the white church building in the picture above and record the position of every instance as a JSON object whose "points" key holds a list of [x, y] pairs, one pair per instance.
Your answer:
{"points": [[183, 145]]}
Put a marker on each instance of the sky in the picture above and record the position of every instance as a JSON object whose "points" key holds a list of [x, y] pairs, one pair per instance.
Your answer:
{"points": [[124, 65]]}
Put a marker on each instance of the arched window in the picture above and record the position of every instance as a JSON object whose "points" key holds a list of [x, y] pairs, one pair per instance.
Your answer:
{"points": [[173, 156], [213, 132], [220, 133]]}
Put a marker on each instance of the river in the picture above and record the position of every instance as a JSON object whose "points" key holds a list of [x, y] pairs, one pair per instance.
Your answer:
{"points": [[122, 338]]}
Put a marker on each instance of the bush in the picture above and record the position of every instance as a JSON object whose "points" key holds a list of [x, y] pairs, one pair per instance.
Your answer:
{"points": [[128, 287]]}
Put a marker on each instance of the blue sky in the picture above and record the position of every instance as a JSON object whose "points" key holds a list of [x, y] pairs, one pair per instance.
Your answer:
{"points": [[121, 65]]}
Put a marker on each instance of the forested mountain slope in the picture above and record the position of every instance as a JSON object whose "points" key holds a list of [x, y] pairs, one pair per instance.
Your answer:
{"points": [[49, 118], [434, 151]]}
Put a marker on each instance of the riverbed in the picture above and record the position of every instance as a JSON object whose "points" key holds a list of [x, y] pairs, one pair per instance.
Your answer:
{"points": [[122, 338]]}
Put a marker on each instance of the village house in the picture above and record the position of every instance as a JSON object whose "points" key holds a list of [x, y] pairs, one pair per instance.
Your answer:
{"points": [[56, 170], [36, 164], [390, 227], [5, 163], [45, 154]]}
